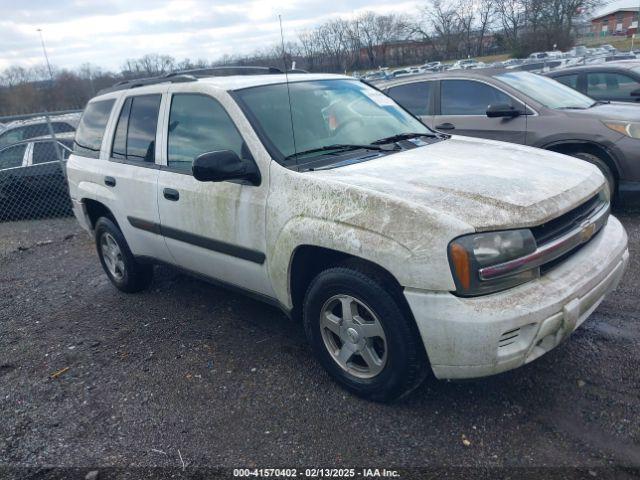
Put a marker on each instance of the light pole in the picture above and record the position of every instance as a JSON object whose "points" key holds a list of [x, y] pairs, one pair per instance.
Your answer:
{"points": [[46, 57]]}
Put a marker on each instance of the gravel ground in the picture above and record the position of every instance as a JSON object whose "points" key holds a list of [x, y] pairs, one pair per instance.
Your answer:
{"points": [[190, 372]]}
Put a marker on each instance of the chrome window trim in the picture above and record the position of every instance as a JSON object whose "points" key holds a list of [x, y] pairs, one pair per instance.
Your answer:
{"points": [[551, 250]]}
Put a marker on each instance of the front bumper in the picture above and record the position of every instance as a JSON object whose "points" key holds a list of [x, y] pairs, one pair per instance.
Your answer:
{"points": [[476, 337]]}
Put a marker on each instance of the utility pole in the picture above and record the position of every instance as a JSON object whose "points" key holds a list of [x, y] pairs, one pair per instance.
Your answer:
{"points": [[46, 57]]}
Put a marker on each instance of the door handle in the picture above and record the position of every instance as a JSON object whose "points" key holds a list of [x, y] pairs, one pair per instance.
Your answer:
{"points": [[171, 194], [445, 126], [110, 181]]}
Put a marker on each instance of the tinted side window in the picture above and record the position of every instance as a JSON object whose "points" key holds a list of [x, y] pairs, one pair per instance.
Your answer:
{"points": [[610, 85], [466, 97], [414, 97], [45, 152], [569, 80], [141, 133], [91, 129], [37, 130], [59, 127], [12, 156], [198, 124], [119, 149]]}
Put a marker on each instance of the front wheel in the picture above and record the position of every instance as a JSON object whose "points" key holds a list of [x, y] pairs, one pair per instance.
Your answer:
{"points": [[362, 335]]}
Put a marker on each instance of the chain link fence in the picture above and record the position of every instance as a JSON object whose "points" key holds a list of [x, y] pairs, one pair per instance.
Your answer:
{"points": [[33, 154]]}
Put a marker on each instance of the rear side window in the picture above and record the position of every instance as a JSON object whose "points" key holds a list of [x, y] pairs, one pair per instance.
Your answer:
{"points": [[12, 156], [414, 97], [467, 97], [90, 132], [569, 80], [60, 127], [44, 152], [135, 137], [610, 86]]}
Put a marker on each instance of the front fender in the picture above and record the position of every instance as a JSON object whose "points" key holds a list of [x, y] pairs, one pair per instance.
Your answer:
{"points": [[345, 238]]}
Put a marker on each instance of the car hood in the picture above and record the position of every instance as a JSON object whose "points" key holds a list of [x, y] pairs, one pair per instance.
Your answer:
{"points": [[610, 111], [486, 184]]}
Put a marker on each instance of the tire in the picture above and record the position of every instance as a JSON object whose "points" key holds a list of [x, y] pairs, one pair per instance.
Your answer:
{"points": [[116, 258], [606, 171], [396, 346]]}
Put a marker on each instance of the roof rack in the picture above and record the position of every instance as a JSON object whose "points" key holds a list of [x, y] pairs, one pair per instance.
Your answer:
{"points": [[227, 70], [143, 82], [193, 75]]}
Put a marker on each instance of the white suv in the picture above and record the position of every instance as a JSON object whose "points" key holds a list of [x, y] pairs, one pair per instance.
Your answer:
{"points": [[404, 251]]}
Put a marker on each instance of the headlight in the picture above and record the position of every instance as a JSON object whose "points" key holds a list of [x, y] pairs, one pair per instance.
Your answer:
{"points": [[470, 253], [630, 129]]}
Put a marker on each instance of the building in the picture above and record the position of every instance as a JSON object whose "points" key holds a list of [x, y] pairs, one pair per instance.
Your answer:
{"points": [[621, 21]]}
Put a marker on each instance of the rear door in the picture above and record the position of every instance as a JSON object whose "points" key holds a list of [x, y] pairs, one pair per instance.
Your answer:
{"points": [[462, 110], [213, 228], [132, 173]]}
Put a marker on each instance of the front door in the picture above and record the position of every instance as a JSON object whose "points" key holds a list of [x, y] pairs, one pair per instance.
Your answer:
{"points": [[463, 111], [213, 228]]}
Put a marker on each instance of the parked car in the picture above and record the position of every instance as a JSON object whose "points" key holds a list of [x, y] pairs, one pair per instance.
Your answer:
{"points": [[538, 56], [529, 109], [399, 247], [21, 130], [32, 181], [465, 64], [618, 81], [432, 67]]}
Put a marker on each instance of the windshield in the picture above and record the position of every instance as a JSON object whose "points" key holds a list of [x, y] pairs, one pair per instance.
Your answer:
{"points": [[325, 112], [546, 91]]}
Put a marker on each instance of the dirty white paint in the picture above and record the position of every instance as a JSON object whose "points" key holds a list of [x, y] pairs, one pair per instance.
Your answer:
{"points": [[399, 211]]}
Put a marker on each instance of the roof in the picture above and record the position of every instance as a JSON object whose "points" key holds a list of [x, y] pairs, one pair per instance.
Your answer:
{"points": [[60, 137], [474, 73], [615, 65], [606, 13], [72, 118], [236, 82]]}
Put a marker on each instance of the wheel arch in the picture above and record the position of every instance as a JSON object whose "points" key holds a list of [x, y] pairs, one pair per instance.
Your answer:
{"points": [[307, 261], [571, 146], [95, 209]]}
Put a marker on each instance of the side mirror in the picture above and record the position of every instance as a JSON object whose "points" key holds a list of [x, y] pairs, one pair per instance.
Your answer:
{"points": [[635, 93], [497, 110], [223, 165]]}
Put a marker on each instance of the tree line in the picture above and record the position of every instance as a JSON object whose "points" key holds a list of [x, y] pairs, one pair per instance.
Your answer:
{"points": [[439, 30]]}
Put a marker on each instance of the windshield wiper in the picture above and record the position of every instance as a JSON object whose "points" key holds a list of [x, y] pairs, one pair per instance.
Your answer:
{"points": [[402, 136], [340, 147], [600, 102]]}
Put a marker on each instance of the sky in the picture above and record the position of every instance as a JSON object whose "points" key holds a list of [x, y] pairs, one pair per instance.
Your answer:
{"points": [[107, 32]]}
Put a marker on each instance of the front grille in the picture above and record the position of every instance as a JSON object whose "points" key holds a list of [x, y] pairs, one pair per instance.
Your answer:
{"points": [[557, 227], [554, 228]]}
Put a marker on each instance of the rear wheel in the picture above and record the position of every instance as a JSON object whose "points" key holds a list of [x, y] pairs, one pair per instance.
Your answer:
{"points": [[362, 336], [116, 258], [604, 168]]}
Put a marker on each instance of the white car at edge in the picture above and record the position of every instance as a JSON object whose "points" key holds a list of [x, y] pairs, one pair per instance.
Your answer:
{"points": [[404, 251]]}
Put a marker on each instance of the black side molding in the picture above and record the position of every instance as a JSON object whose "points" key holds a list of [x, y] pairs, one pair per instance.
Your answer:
{"points": [[199, 241]]}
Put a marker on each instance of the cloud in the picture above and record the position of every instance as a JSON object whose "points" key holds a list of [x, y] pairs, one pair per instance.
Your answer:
{"points": [[108, 32]]}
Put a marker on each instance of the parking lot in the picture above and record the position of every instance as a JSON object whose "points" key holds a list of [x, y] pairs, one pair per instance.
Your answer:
{"points": [[188, 372]]}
